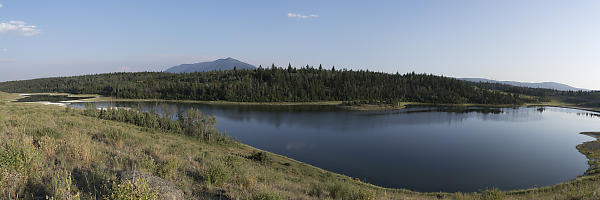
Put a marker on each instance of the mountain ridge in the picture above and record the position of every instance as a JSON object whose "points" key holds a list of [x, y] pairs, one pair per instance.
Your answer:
{"points": [[545, 85], [216, 65]]}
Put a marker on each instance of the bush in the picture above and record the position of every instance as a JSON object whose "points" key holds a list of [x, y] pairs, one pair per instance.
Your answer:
{"points": [[216, 174], [339, 191], [129, 190], [315, 191], [493, 194], [266, 196], [365, 195], [260, 156], [168, 170], [16, 158], [61, 187]]}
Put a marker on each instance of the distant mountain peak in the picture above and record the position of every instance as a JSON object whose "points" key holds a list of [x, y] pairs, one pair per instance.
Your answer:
{"points": [[222, 64], [545, 85]]}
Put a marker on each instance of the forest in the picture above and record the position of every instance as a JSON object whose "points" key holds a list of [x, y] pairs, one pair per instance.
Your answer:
{"points": [[276, 84]]}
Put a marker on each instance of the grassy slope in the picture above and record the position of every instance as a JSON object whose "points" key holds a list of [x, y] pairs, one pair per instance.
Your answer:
{"points": [[47, 150]]}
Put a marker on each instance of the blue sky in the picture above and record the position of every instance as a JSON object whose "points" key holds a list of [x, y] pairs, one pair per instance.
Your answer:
{"points": [[522, 40]]}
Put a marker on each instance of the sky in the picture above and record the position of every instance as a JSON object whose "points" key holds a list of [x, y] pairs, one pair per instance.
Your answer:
{"points": [[520, 40]]}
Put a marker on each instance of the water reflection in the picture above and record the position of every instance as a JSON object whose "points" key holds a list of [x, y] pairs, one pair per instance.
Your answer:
{"points": [[421, 148]]}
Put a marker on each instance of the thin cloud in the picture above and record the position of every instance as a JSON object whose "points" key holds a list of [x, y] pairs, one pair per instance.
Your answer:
{"points": [[19, 28], [301, 16], [0, 5]]}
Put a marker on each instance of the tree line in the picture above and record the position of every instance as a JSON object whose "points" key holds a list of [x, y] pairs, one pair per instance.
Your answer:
{"points": [[276, 84], [191, 122], [579, 98]]}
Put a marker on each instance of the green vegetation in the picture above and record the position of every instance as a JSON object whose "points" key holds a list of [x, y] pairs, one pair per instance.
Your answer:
{"points": [[260, 156], [63, 153], [191, 123], [133, 190], [275, 85], [587, 99]]}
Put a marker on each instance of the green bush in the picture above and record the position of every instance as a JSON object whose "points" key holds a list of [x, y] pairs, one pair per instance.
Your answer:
{"points": [[216, 174], [493, 194], [260, 156], [365, 195], [340, 191], [169, 169], [129, 190], [266, 196], [15, 158]]}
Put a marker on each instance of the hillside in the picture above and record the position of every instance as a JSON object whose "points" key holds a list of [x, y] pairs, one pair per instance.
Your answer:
{"points": [[217, 65], [274, 85], [543, 85]]}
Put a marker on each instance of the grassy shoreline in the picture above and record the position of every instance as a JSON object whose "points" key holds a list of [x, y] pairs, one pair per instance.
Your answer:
{"points": [[176, 158], [363, 107]]}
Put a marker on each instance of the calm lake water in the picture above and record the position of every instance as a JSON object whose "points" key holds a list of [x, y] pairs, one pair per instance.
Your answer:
{"points": [[422, 149]]}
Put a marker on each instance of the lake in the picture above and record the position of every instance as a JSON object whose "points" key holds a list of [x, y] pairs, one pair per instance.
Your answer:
{"points": [[427, 149]]}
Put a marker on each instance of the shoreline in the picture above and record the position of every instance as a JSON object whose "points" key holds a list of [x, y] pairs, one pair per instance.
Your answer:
{"points": [[363, 107], [585, 152]]}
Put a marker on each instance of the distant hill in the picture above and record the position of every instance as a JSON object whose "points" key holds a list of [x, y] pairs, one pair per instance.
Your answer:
{"points": [[545, 85], [217, 65]]}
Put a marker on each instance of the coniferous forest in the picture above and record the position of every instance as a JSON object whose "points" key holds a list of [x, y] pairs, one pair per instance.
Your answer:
{"points": [[282, 85]]}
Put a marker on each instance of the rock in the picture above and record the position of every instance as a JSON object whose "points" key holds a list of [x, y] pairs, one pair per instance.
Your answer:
{"points": [[163, 188]]}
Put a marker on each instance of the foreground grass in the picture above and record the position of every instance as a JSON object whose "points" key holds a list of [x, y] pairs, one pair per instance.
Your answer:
{"points": [[53, 152]]}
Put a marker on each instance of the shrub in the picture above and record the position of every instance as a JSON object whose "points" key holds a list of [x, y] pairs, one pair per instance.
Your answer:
{"points": [[365, 195], [129, 190], [339, 191], [169, 169], [94, 184], [61, 187], [260, 156], [13, 157], [493, 194], [266, 196], [216, 174], [315, 191]]}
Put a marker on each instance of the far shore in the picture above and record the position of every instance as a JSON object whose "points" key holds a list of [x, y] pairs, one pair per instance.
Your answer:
{"points": [[362, 107]]}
